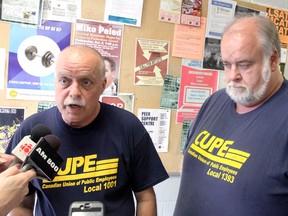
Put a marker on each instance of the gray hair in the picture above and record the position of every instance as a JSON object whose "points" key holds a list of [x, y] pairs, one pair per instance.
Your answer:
{"points": [[269, 39]]}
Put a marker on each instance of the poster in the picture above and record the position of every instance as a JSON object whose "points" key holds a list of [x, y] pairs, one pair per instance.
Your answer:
{"points": [[212, 54], [43, 105], [195, 87], [151, 61], [107, 39], [192, 63], [170, 11], [157, 123], [241, 11], [191, 11], [31, 59], [128, 12], [280, 19], [24, 11], [185, 129], [122, 101], [170, 92], [59, 10], [10, 120], [220, 13], [188, 41]]}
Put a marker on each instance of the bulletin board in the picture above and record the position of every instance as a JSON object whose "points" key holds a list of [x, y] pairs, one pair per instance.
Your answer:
{"points": [[145, 96]]}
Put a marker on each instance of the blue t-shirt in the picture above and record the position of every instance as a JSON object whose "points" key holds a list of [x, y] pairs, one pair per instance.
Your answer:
{"points": [[236, 164], [104, 161]]}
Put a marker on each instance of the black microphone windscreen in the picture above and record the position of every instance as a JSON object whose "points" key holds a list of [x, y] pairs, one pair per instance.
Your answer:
{"points": [[39, 131], [53, 140], [44, 158]]}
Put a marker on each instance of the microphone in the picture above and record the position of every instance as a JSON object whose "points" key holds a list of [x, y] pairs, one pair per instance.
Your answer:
{"points": [[44, 158], [28, 142]]}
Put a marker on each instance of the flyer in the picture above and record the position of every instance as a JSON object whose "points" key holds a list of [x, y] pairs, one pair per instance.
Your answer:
{"points": [[107, 39], [220, 12], [24, 11], [170, 92], [280, 19], [170, 11], [195, 87], [122, 101], [191, 11], [59, 10], [128, 12], [188, 41], [157, 123], [10, 120], [32, 52], [151, 61]]}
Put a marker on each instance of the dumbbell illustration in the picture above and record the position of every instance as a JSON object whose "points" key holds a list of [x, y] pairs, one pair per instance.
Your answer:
{"points": [[47, 59]]}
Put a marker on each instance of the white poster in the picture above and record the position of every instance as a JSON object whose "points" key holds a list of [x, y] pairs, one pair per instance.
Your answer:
{"points": [[127, 12], [219, 14], [59, 10], [24, 11], [157, 123]]}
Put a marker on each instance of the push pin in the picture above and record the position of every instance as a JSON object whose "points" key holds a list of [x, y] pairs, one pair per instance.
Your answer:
{"points": [[47, 59]]}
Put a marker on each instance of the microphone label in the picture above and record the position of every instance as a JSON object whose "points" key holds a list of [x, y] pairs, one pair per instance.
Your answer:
{"points": [[24, 147], [45, 160]]}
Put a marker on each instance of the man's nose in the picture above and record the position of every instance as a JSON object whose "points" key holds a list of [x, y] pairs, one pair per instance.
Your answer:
{"points": [[233, 73], [75, 90]]}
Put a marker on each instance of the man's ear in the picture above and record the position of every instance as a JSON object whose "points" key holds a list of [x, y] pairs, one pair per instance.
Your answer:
{"points": [[274, 61], [103, 85]]}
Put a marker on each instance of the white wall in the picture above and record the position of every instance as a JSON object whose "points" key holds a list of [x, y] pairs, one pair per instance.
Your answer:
{"points": [[166, 193]]}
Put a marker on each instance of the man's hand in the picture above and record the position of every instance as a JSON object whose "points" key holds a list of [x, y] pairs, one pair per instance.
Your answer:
{"points": [[5, 160], [13, 187]]}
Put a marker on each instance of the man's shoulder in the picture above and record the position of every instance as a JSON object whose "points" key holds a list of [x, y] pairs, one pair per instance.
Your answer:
{"points": [[43, 114]]}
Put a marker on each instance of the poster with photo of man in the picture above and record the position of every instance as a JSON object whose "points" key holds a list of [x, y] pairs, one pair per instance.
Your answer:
{"points": [[107, 39]]}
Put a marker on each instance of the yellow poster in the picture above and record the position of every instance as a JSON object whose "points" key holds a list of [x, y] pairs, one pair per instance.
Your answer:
{"points": [[280, 19]]}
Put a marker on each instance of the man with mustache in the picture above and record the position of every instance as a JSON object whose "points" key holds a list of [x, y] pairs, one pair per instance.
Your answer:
{"points": [[108, 155], [235, 159]]}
